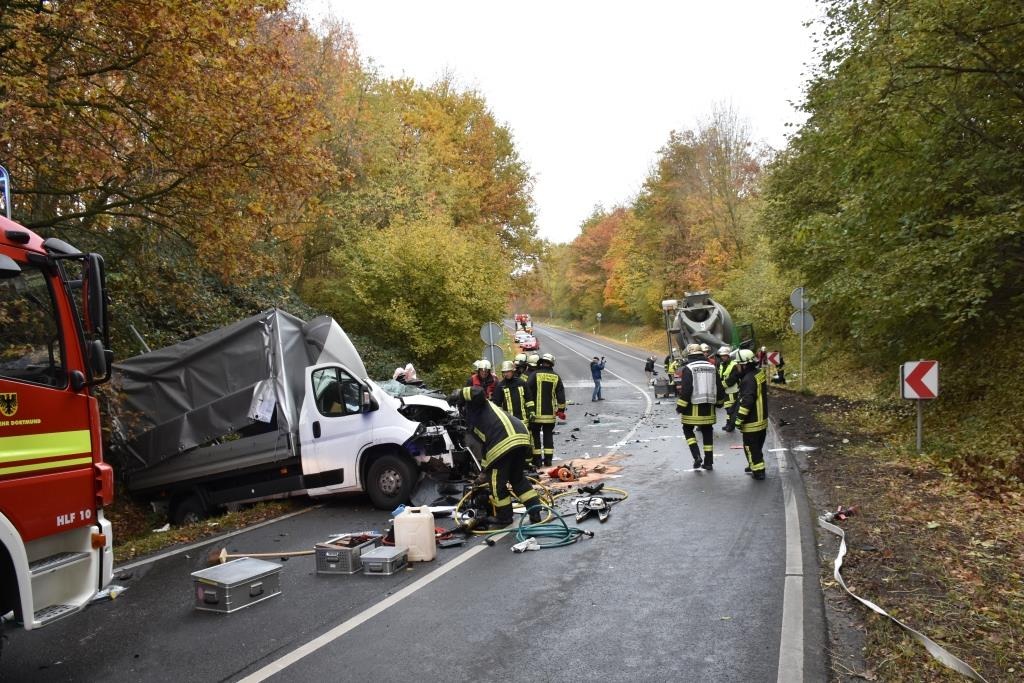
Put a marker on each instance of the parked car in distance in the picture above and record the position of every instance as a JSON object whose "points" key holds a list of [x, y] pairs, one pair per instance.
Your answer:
{"points": [[521, 335], [529, 344]]}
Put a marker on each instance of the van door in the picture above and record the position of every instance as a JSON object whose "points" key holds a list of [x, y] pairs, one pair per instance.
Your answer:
{"points": [[334, 429]]}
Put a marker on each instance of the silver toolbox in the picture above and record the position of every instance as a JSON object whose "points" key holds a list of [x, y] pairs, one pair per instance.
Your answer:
{"points": [[385, 560], [342, 554], [236, 584]]}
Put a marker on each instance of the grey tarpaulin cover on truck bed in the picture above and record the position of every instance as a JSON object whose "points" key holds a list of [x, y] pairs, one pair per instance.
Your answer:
{"points": [[186, 395]]}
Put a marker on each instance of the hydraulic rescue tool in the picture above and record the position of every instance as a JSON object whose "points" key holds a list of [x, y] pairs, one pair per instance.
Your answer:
{"points": [[594, 504]]}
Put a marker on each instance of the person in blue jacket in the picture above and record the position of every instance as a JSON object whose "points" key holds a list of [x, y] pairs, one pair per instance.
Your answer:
{"points": [[596, 366]]}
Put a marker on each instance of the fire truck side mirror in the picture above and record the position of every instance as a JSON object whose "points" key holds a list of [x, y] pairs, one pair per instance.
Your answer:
{"points": [[96, 303], [97, 358]]}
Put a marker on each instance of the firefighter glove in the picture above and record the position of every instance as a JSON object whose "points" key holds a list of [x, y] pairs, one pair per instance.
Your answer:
{"points": [[560, 414], [729, 427]]}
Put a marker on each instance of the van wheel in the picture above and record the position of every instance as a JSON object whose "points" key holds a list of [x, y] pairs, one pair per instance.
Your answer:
{"points": [[390, 481], [189, 511]]}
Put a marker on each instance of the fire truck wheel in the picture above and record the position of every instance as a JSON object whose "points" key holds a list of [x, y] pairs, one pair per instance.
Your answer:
{"points": [[188, 511], [390, 481]]}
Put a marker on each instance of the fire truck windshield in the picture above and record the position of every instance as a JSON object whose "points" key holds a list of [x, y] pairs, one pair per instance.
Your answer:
{"points": [[31, 349]]}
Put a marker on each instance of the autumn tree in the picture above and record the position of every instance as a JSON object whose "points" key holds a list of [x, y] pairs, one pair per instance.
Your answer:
{"points": [[900, 200], [180, 137], [423, 159], [423, 287]]}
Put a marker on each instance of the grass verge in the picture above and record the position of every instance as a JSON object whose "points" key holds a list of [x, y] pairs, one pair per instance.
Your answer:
{"points": [[136, 526]]}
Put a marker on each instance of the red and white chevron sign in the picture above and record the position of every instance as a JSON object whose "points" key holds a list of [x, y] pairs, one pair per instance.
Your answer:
{"points": [[919, 379], [773, 357]]}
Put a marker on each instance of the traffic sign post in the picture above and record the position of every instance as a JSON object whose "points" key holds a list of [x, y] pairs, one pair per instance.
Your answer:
{"points": [[491, 333], [919, 380], [599, 323], [495, 355], [801, 321]]}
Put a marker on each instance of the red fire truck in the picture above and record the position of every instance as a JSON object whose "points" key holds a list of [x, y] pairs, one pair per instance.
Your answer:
{"points": [[55, 545]]}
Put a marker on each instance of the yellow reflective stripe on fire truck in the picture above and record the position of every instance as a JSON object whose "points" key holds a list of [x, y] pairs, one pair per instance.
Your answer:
{"points": [[36, 446], [51, 465]]}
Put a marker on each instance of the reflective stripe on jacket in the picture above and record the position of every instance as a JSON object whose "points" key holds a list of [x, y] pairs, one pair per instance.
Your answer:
{"points": [[752, 415], [730, 375], [548, 395], [498, 431], [513, 395]]}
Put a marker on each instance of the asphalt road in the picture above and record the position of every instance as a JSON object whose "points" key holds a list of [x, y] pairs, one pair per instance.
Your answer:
{"points": [[698, 576]]}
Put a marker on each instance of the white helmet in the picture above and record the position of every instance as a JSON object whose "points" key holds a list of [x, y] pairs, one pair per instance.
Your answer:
{"points": [[532, 359], [724, 351], [508, 366], [520, 358], [704, 348], [549, 358], [693, 350], [745, 356], [485, 364]]}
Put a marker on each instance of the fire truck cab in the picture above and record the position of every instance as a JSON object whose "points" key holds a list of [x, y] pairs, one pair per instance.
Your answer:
{"points": [[55, 544]]}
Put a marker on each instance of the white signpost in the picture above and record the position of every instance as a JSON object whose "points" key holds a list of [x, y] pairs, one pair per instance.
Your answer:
{"points": [[919, 380]]}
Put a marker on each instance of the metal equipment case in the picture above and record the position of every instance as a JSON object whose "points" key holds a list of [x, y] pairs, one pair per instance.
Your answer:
{"points": [[236, 584], [340, 556], [385, 560]]}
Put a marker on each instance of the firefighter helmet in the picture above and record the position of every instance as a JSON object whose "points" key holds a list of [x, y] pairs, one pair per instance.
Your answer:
{"points": [[532, 360], [693, 350], [520, 359], [548, 358], [745, 356], [508, 366], [483, 364], [724, 351], [704, 348]]}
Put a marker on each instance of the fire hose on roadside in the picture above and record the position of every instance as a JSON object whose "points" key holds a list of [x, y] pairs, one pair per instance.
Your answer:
{"points": [[934, 649]]}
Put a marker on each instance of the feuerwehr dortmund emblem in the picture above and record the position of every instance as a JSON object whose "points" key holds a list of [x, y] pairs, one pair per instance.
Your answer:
{"points": [[8, 404]]}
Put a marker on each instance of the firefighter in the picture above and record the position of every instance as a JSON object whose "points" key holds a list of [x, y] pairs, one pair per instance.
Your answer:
{"points": [[670, 362], [531, 365], [752, 415], [708, 356], [520, 364], [512, 394], [482, 377], [506, 447], [729, 373], [700, 392], [549, 398]]}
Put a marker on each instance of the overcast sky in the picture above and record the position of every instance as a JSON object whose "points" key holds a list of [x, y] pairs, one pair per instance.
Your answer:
{"points": [[591, 90]]}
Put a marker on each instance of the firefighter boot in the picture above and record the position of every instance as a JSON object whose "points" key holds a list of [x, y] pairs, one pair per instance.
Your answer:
{"points": [[534, 511], [502, 518]]}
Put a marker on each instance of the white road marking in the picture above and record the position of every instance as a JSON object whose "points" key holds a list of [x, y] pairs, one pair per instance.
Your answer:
{"points": [[791, 639], [341, 629], [650, 402]]}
